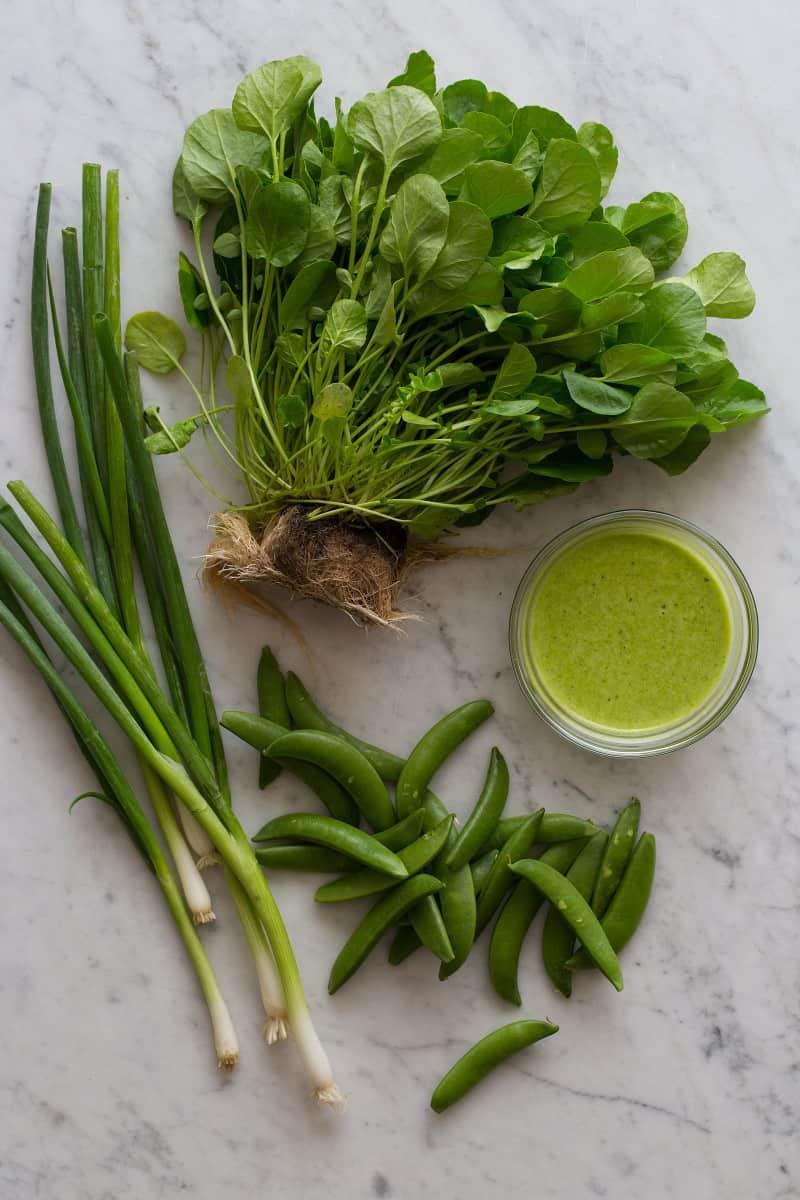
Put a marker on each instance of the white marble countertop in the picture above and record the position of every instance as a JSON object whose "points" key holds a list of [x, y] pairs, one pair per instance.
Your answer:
{"points": [[686, 1084]]}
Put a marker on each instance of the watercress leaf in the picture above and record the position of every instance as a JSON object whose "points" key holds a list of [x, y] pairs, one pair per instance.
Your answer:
{"points": [[417, 419], [596, 396], [498, 105], [456, 150], [712, 379], [228, 244], [173, 437], [343, 153], [237, 379], [431, 522], [526, 158], [192, 288], [335, 207], [624, 270], [291, 349], [469, 236], [417, 227], [528, 489], [291, 411], [592, 442], [518, 242], [420, 72], [385, 331], [271, 98], [492, 316], [721, 283], [517, 370], [462, 97], [185, 202], [460, 374], [278, 222], [496, 187], [380, 286], [250, 183], [657, 225], [485, 287], [656, 423], [334, 401], [611, 310], [690, 449], [321, 240], [593, 238], [556, 308], [740, 403], [635, 364], [600, 143], [544, 123], [509, 408], [674, 320], [159, 343], [493, 133], [571, 465], [396, 125], [345, 327], [569, 186], [213, 147], [315, 284]]}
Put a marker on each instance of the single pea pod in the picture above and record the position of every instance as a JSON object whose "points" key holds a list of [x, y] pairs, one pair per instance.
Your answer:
{"points": [[481, 822], [555, 827], [347, 766], [307, 715], [404, 943], [458, 909], [484, 1056], [558, 939], [375, 924], [480, 868], [623, 915], [398, 836], [336, 835], [500, 878], [296, 856], [433, 748], [272, 705], [618, 851], [516, 918], [428, 923], [576, 912], [263, 733], [367, 883]]}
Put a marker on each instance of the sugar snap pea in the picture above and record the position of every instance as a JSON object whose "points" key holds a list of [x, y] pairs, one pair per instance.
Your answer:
{"points": [[459, 913], [433, 748], [481, 822], [336, 835], [618, 851], [307, 715], [378, 920], [558, 939], [484, 1056], [576, 912], [500, 879], [428, 923], [302, 857], [348, 767], [264, 733], [398, 836], [516, 918], [272, 705], [479, 868], [621, 919], [404, 943], [555, 827], [366, 883]]}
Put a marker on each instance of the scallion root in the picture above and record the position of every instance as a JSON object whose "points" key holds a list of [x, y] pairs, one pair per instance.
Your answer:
{"points": [[330, 1094]]}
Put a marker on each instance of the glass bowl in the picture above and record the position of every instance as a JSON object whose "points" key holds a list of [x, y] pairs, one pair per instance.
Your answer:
{"points": [[730, 685]]}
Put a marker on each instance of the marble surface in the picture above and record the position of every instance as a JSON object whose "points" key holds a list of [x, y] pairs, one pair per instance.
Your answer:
{"points": [[686, 1085]]}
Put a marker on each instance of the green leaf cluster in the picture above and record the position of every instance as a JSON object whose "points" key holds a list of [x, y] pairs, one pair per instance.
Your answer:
{"points": [[423, 307]]}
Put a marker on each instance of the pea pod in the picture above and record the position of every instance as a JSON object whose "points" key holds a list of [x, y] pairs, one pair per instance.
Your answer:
{"points": [[500, 878], [336, 835], [480, 868], [618, 851], [404, 943], [621, 919], [555, 827], [484, 1056], [366, 883], [347, 766], [375, 924], [307, 715], [272, 705], [516, 918], [459, 913], [558, 940], [482, 820], [263, 734], [433, 748], [428, 924], [398, 836], [301, 857], [576, 912]]}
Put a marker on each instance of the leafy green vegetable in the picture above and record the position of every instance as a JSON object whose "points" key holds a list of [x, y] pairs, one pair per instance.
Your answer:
{"points": [[426, 294]]}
